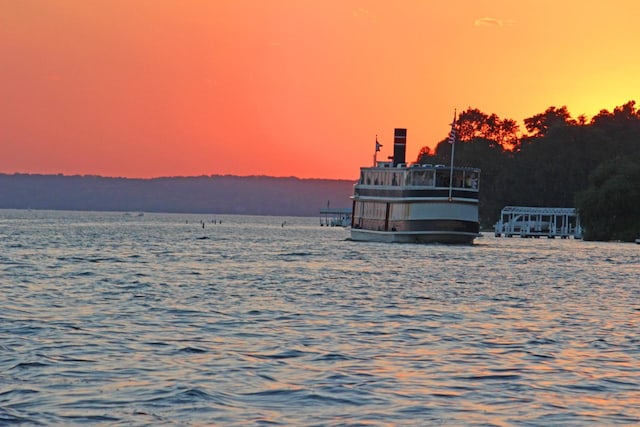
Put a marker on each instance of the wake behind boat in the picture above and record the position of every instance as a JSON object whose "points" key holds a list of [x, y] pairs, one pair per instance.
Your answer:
{"points": [[396, 202]]}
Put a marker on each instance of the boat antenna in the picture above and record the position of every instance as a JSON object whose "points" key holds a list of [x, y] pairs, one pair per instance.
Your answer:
{"points": [[452, 141]]}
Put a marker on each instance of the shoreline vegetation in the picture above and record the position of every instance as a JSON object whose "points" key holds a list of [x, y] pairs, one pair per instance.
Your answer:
{"points": [[560, 161]]}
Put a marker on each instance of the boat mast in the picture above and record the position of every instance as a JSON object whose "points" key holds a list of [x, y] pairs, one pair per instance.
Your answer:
{"points": [[452, 141]]}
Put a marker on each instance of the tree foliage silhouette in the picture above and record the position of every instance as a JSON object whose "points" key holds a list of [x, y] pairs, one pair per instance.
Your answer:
{"points": [[610, 208], [550, 164]]}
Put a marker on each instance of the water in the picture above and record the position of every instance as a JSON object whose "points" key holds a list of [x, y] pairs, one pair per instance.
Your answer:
{"points": [[120, 320]]}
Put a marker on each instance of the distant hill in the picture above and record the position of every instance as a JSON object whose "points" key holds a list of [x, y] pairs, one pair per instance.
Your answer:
{"points": [[254, 195]]}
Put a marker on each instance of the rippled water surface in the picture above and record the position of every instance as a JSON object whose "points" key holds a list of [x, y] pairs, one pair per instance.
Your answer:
{"points": [[113, 319]]}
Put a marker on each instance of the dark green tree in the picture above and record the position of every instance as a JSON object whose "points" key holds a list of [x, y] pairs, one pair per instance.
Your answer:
{"points": [[473, 123], [621, 128], [540, 124], [610, 208], [550, 169], [547, 167]]}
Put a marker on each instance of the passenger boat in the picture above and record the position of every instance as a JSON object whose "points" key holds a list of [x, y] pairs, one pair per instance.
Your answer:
{"points": [[418, 203]]}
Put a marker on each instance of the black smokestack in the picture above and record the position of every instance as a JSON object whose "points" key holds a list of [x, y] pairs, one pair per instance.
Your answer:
{"points": [[399, 146]]}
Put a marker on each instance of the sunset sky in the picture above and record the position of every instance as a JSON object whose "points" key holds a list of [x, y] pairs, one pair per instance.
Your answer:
{"points": [[148, 88]]}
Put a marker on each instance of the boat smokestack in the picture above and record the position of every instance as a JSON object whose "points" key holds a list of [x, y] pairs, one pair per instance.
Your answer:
{"points": [[399, 146]]}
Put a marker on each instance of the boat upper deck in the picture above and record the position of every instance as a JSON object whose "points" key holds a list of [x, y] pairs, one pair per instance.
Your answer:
{"points": [[417, 175]]}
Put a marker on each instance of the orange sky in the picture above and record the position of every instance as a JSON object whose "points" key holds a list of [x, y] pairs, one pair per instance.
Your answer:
{"points": [[147, 88]]}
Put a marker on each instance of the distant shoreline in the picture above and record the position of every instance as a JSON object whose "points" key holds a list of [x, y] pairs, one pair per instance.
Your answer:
{"points": [[219, 194]]}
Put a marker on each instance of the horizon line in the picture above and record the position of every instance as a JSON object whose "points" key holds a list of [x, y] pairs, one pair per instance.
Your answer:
{"points": [[60, 174]]}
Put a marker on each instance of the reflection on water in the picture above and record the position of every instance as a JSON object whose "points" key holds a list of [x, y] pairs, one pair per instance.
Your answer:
{"points": [[107, 319]]}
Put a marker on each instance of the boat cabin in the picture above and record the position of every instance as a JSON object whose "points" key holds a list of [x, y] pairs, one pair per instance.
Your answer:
{"points": [[418, 175]]}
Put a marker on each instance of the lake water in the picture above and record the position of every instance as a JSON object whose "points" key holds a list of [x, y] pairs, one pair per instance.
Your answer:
{"points": [[125, 320]]}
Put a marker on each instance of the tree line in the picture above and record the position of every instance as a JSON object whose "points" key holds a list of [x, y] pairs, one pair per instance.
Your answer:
{"points": [[559, 161]]}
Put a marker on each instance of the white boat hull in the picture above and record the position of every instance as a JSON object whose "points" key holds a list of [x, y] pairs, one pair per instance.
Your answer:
{"points": [[446, 237]]}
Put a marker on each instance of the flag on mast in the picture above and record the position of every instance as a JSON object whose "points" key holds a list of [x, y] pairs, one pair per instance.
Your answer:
{"points": [[375, 153], [452, 133]]}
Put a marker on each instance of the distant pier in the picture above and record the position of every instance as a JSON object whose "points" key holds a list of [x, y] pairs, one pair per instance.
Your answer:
{"points": [[538, 222], [335, 217]]}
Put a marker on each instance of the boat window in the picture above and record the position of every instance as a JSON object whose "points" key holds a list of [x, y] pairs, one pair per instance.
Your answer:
{"points": [[418, 178], [474, 181], [399, 211], [442, 178], [458, 179], [470, 179], [374, 210], [422, 178], [358, 209]]}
